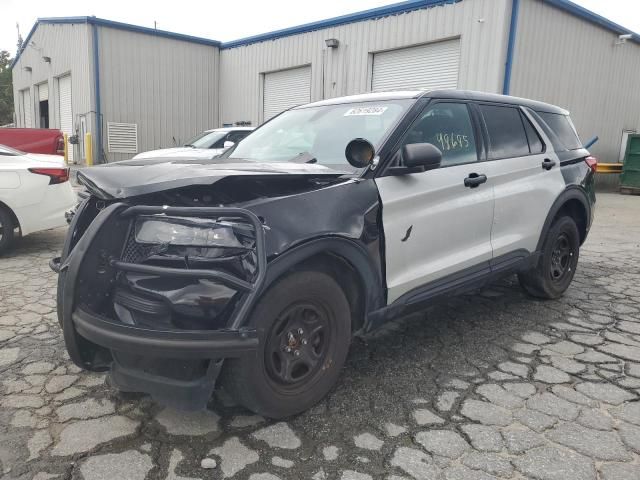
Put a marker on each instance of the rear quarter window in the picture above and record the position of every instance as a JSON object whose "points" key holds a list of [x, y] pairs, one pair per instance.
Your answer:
{"points": [[563, 128]]}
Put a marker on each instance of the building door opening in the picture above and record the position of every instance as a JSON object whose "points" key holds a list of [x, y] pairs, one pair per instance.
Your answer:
{"points": [[43, 105], [44, 114]]}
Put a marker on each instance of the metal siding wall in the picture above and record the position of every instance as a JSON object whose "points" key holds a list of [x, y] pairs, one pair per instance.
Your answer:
{"points": [[66, 44], [347, 69], [567, 61], [169, 88]]}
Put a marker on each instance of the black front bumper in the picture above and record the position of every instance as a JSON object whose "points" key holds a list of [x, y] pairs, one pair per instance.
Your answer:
{"points": [[160, 362]]}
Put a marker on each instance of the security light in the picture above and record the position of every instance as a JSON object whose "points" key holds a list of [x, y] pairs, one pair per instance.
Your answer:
{"points": [[332, 42], [623, 38], [28, 69], [47, 59]]}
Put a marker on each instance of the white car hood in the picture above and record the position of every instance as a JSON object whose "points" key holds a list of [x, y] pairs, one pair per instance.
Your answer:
{"points": [[182, 152]]}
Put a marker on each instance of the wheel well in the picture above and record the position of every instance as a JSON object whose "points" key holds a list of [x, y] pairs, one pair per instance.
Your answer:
{"points": [[575, 209], [346, 276], [5, 207]]}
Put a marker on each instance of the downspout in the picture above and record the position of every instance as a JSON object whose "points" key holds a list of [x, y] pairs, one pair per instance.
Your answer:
{"points": [[96, 79], [515, 4]]}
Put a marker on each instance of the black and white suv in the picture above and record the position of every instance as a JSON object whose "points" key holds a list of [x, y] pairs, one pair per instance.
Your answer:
{"points": [[332, 218]]}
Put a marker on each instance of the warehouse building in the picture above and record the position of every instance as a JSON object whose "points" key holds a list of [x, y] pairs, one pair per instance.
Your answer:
{"points": [[150, 89], [145, 87]]}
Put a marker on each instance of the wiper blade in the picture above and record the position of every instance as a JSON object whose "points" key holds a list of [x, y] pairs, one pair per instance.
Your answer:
{"points": [[189, 145], [304, 157]]}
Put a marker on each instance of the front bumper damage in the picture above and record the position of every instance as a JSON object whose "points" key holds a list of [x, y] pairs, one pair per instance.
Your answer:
{"points": [[166, 346]]}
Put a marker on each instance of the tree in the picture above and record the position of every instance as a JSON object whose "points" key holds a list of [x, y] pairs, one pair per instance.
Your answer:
{"points": [[6, 89]]}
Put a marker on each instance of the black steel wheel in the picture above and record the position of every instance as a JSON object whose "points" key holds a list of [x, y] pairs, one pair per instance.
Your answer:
{"points": [[556, 267], [298, 344], [304, 322], [561, 255]]}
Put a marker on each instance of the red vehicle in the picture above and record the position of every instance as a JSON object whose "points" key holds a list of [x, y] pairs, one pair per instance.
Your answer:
{"points": [[33, 140]]}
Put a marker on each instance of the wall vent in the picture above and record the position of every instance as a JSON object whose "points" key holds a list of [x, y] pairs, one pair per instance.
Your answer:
{"points": [[122, 137]]}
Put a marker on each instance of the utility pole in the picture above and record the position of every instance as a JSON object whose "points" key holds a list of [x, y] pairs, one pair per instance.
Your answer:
{"points": [[20, 41]]}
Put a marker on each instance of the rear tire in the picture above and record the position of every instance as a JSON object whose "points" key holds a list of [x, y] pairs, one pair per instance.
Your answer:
{"points": [[6, 231], [304, 324], [557, 264]]}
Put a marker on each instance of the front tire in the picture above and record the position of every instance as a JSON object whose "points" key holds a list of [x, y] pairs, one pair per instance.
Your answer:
{"points": [[6, 231], [304, 324], [556, 267]]}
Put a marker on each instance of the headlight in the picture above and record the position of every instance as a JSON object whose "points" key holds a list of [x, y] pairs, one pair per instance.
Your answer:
{"points": [[186, 231]]}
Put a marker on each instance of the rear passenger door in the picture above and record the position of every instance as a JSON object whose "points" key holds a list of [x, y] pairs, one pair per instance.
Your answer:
{"points": [[524, 172], [434, 225]]}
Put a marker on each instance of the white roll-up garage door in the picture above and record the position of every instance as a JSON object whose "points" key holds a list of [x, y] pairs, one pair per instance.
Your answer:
{"points": [[26, 108], [426, 67], [65, 110], [286, 89], [43, 92]]}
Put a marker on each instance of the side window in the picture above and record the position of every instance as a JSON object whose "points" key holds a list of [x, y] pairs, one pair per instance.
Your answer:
{"points": [[507, 137], [235, 137], [535, 142], [219, 143], [563, 128], [447, 126]]}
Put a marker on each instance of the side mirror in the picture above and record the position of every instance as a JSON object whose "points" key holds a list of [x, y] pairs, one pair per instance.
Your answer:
{"points": [[228, 144], [359, 152], [417, 157], [424, 155]]}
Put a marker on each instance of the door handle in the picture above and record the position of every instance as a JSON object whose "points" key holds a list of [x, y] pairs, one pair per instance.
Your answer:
{"points": [[474, 179], [548, 164]]}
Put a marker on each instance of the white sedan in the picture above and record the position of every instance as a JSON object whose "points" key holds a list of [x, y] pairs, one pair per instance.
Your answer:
{"points": [[206, 145], [35, 193]]}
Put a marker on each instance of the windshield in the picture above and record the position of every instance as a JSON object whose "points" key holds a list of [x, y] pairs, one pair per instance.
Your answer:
{"points": [[321, 133], [9, 152], [206, 140]]}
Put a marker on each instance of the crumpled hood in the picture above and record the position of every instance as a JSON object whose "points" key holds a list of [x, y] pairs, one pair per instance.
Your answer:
{"points": [[182, 152], [135, 177]]}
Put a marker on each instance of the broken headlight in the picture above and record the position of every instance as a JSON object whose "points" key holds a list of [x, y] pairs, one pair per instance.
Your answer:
{"points": [[187, 232]]}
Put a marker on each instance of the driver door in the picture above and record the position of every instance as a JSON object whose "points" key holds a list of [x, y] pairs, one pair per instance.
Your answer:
{"points": [[436, 228]]}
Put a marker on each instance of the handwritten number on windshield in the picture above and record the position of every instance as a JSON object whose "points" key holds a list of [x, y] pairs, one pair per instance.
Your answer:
{"points": [[451, 141]]}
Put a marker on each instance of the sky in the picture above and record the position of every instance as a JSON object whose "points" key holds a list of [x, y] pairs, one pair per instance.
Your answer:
{"points": [[227, 20]]}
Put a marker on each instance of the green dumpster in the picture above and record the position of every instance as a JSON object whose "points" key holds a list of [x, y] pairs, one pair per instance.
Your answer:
{"points": [[630, 178]]}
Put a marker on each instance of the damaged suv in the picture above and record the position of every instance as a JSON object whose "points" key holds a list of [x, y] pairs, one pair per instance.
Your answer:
{"points": [[255, 269]]}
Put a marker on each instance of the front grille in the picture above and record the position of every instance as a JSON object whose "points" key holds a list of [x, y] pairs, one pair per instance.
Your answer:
{"points": [[135, 252]]}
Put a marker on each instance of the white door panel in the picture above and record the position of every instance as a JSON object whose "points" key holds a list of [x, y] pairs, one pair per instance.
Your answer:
{"points": [[524, 193], [424, 67], [65, 110], [450, 225], [285, 89]]}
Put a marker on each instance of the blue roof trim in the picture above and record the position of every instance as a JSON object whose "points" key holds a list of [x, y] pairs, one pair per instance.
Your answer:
{"points": [[592, 17], [387, 10], [153, 31], [112, 24]]}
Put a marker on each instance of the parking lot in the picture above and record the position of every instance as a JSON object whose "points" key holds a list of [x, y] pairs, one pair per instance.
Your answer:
{"points": [[490, 385]]}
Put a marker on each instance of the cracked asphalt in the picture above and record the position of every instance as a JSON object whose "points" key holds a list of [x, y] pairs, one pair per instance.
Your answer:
{"points": [[489, 385]]}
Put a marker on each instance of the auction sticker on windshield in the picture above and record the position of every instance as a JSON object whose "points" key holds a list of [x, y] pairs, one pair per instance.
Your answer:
{"points": [[375, 110]]}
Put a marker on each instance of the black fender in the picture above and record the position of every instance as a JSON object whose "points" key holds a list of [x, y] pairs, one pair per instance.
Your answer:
{"points": [[347, 249], [572, 192]]}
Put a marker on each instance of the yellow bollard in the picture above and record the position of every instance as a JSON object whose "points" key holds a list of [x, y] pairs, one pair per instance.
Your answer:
{"points": [[88, 149], [66, 149]]}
